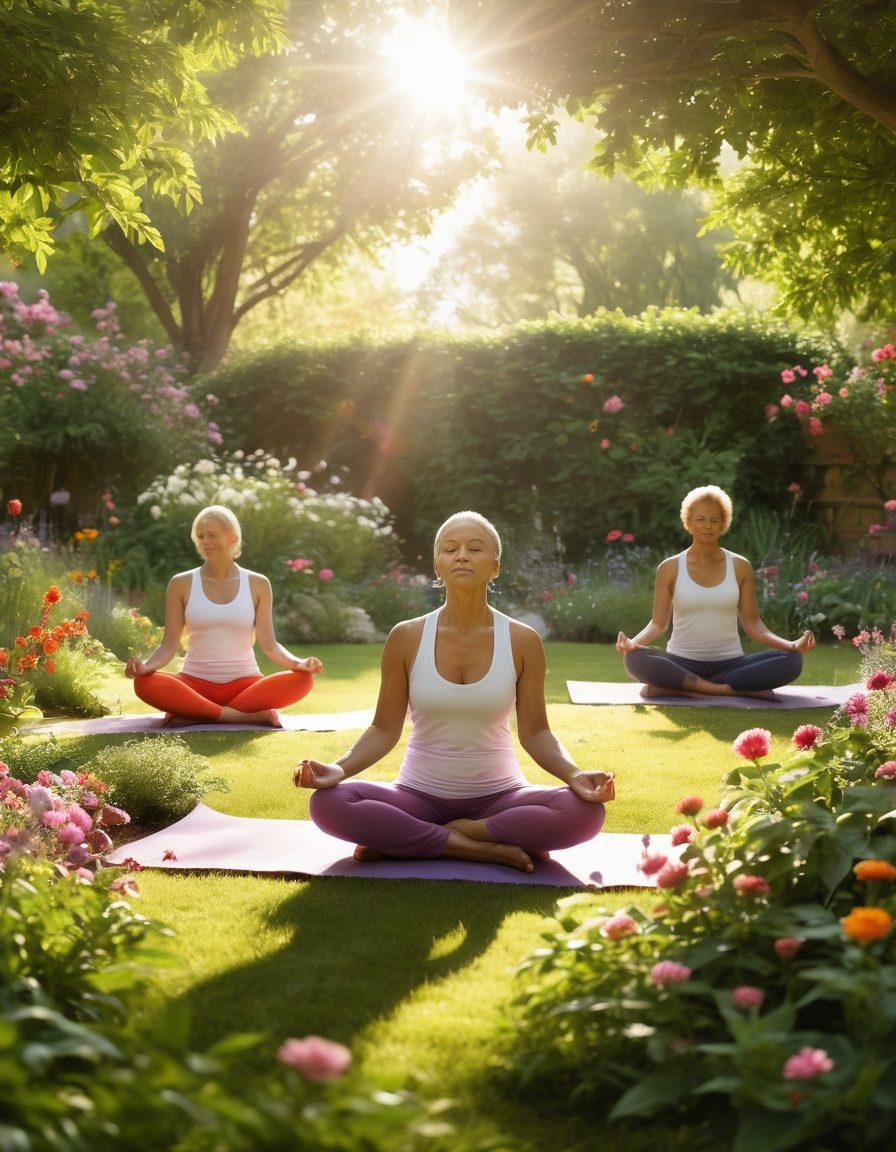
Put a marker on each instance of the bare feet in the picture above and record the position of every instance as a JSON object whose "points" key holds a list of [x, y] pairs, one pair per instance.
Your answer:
{"points": [[478, 830], [365, 855], [268, 717], [649, 691], [760, 694]]}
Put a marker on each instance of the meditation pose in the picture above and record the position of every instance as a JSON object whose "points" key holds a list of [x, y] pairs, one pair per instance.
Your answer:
{"points": [[223, 608], [705, 589], [460, 791]]}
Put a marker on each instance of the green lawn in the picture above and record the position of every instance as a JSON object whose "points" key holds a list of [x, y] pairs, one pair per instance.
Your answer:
{"points": [[416, 976]]}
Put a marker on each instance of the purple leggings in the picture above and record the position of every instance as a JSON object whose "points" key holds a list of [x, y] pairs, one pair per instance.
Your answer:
{"points": [[401, 821]]}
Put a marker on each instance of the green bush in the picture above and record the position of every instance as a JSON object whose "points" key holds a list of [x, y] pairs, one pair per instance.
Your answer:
{"points": [[512, 424], [395, 596], [72, 689], [156, 780]]}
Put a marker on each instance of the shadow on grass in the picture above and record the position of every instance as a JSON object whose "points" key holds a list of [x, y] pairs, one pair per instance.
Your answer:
{"points": [[358, 949]]}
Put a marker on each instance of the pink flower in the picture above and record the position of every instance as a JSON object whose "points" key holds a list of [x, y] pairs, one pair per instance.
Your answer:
{"points": [[715, 818], [40, 801], [806, 736], [886, 771], [890, 506], [788, 376], [614, 404], [325, 574], [628, 538], [802, 596], [619, 926], [605, 444], [879, 681], [669, 972], [816, 428], [751, 886], [315, 1058], [747, 997], [672, 875], [839, 631], [652, 862], [890, 719], [787, 947], [70, 834], [613, 536], [800, 370], [753, 744], [78, 816], [802, 408], [856, 708], [571, 578], [547, 595], [823, 399], [843, 393], [771, 411], [786, 401], [689, 806], [682, 834], [53, 819], [823, 371], [794, 488], [807, 1064]]}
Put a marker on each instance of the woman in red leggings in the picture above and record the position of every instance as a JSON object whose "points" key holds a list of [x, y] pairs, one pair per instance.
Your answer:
{"points": [[223, 608]]}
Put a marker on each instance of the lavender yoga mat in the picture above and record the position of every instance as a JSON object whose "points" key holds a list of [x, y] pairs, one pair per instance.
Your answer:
{"points": [[209, 839], [152, 722], [790, 697]]}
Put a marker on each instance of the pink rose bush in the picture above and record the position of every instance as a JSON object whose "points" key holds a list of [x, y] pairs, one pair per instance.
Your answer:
{"points": [[315, 1058]]}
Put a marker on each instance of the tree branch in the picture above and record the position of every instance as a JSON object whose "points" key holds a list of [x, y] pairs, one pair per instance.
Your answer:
{"points": [[288, 272], [133, 258]]}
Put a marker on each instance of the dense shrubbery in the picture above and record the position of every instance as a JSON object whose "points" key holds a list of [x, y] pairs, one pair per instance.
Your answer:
{"points": [[524, 426], [756, 999]]}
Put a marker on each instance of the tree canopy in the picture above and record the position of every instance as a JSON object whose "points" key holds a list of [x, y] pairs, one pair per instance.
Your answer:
{"points": [[804, 90], [99, 101]]}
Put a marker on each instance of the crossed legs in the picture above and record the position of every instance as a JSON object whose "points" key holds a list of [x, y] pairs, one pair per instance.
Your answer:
{"points": [[758, 672], [249, 697]]}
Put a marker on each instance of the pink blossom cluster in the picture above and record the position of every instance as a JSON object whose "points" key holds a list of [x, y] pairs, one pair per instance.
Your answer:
{"points": [[753, 744], [806, 736], [613, 404], [315, 1058], [62, 817], [617, 534], [856, 708], [807, 1064]]}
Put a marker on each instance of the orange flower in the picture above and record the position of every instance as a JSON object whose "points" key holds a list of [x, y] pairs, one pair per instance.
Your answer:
{"points": [[90, 533], [21, 642], [77, 628], [867, 924], [870, 870], [50, 645], [52, 595], [91, 575], [4, 658], [76, 577], [588, 378], [35, 630], [82, 615], [59, 632], [79, 536], [50, 666]]}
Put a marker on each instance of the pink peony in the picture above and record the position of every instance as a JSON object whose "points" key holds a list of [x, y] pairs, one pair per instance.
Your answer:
{"points": [[807, 1064], [806, 736], [689, 806], [669, 972], [747, 997], [802, 596], [753, 744], [802, 408], [886, 771], [716, 818], [315, 1058], [619, 926], [70, 834], [787, 947], [890, 506], [605, 444], [788, 376], [628, 538], [843, 393], [786, 401], [325, 574], [682, 834], [751, 886], [823, 371], [614, 404], [856, 708], [824, 398], [672, 875], [771, 411], [816, 428], [652, 862], [613, 536], [879, 681]]}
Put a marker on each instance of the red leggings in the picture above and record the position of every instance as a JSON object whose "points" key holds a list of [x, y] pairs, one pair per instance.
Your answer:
{"points": [[195, 699]]}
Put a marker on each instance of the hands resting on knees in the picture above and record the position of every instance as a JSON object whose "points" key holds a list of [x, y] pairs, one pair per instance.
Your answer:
{"points": [[595, 787]]}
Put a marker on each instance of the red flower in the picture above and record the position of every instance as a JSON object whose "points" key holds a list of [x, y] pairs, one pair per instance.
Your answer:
{"points": [[52, 595], [50, 666], [50, 645], [717, 818], [753, 744], [879, 681], [82, 615], [751, 886], [689, 806], [14, 507], [806, 736]]}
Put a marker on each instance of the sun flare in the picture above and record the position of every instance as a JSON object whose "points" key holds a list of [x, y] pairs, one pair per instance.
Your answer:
{"points": [[425, 64]]}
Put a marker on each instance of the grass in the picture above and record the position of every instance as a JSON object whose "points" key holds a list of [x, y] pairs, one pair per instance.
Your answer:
{"points": [[416, 976]]}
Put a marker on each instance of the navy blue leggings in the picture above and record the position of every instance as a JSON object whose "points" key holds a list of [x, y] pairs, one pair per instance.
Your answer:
{"points": [[755, 673]]}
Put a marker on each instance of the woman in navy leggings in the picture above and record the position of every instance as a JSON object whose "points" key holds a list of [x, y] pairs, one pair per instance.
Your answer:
{"points": [[705, 589]]}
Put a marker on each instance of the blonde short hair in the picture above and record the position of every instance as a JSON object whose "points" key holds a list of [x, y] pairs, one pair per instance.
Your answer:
{"points": [[477, 517], [710, 492], [227, 518]]}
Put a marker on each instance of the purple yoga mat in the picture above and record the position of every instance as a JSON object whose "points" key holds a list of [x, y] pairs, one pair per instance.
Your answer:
{"points": [[152, 722], [791, 697], [209, 839]]}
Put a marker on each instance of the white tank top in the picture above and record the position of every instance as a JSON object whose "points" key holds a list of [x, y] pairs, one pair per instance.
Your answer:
{"points": [[461, 743], [704, 620], [220, 636]]}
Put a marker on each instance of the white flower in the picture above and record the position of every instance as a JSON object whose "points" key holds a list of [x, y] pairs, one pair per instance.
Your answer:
{"points": [[239, 454], [303, 475], [204, 467], [143, 497], [155, 512], [186, 499], [176, 484]]}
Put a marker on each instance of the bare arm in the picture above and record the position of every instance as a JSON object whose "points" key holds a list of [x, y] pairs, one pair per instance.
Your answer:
{"points": [[663, 588], [175, 601], [264, 630], [748, 610], [534, 730], [384, 733]]}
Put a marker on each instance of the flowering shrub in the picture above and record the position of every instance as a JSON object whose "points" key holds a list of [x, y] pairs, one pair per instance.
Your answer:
{"points": [[78, 414], [285, 514], [600, 598], [753, 995]]}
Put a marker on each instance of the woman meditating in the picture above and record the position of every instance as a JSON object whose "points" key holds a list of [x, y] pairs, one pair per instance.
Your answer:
{"points": [[460, 791], [705, 589], [223, 607]]}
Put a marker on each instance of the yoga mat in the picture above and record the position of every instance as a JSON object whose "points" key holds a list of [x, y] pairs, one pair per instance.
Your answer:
{"points": [[790, 697], [209, 839], [152, 722]]}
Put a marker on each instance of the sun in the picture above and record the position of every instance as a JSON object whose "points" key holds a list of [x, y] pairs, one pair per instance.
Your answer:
{"points": [[427, 66]]}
